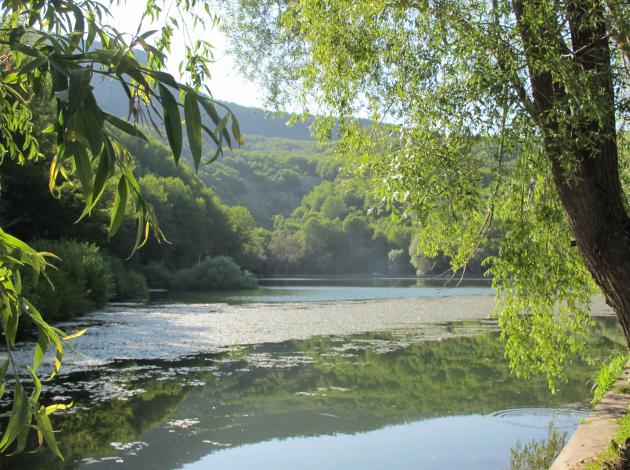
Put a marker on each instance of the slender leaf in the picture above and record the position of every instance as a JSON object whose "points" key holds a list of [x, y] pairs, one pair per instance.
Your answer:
{"points": [[75, 335], [172, 121], [46, 429], [120, 205], [83, 169], [236, 131], [124, 126], [3, 369], [78, 90], [101, 176], [18, 417]]}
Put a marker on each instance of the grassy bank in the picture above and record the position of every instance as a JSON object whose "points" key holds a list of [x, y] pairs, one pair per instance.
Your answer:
{"points": [[617, 452]]}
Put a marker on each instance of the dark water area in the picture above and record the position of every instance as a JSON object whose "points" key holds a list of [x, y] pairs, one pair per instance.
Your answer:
{"points": [[431, 396], [272, 290]]}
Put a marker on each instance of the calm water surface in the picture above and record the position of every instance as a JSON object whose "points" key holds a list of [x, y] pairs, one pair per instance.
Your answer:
{"points": [[430, 396], [325, 290]]}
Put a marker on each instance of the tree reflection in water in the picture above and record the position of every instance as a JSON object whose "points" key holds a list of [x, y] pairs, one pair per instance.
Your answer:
{"points": [[277, 391], [538, 454]]}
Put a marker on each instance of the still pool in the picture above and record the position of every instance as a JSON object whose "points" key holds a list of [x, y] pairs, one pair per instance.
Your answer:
{"points": [[434, 395]]}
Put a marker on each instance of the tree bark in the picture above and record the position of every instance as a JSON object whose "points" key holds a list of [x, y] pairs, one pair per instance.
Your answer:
{"points": [[582, 147]]}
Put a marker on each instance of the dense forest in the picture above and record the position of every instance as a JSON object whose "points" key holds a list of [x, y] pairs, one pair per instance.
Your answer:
{"points": [[276, 205]]}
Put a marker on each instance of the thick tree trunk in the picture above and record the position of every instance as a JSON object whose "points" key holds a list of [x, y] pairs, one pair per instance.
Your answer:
{"points": [[595, 206], [598, 219], [582, 148]]}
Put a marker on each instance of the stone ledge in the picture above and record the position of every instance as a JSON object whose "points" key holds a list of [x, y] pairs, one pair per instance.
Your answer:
{"points": [[595, 434]]}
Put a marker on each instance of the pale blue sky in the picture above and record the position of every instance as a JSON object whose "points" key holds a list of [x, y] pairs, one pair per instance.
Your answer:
{"points": [[226, 83]]}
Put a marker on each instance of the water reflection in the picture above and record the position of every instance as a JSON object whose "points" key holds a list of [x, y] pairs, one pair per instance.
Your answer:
{"points": [[430, 397], [538, 453]]}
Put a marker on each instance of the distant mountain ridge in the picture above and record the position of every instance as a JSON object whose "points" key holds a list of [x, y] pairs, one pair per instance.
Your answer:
{"points": [[252, 121]]}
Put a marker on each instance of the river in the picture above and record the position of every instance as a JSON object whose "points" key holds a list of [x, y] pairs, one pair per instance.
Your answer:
{"points": [[303, 374]]}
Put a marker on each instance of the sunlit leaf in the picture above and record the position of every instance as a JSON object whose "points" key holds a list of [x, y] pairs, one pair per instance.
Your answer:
{"points": [[57, 407], [120, 205], [75, 335]]}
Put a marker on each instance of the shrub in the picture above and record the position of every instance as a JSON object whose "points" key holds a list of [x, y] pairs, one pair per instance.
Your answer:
{"points": [[157, 275], [129, 284], [81, 280], [216, 273]]}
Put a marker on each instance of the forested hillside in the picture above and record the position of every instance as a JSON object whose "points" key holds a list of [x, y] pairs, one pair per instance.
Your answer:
{"points": [[270, 175], [274, 205], [207, 241]]}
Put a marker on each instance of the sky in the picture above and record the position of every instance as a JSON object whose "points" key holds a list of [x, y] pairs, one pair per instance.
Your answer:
{"points": [[226, 83]]}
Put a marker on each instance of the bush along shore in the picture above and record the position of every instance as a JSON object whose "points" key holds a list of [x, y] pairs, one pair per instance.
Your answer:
{"points": [[85, 278]]}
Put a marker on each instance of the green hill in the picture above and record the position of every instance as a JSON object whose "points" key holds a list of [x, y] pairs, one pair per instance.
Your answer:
{"points": [[270, 173]]}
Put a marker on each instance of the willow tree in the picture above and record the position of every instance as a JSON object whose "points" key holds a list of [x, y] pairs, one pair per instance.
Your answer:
{"points": [[507, 115], [62, 50]]}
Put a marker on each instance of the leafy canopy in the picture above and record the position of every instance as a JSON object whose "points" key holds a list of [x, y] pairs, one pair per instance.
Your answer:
{"points": [[456, 145]]}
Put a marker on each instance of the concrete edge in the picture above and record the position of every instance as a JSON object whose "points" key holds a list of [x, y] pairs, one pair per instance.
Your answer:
{"points": [[595, 434]]}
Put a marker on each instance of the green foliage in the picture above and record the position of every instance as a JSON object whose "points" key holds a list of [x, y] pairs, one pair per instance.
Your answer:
{"points": [[333, 232], [396, 259], [218, 273], [462, 143], [607, 376], [57, 49], [129, 284], [268, 175], [26, 411], [156, 274], [80, 281], [193, 219]]}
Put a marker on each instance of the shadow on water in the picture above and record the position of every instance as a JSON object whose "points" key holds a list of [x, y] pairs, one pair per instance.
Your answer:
{"points": [[331, 290], [361, 401]]}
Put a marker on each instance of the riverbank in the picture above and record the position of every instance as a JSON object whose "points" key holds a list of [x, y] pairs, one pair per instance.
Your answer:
{"points": [[596, 443]]}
